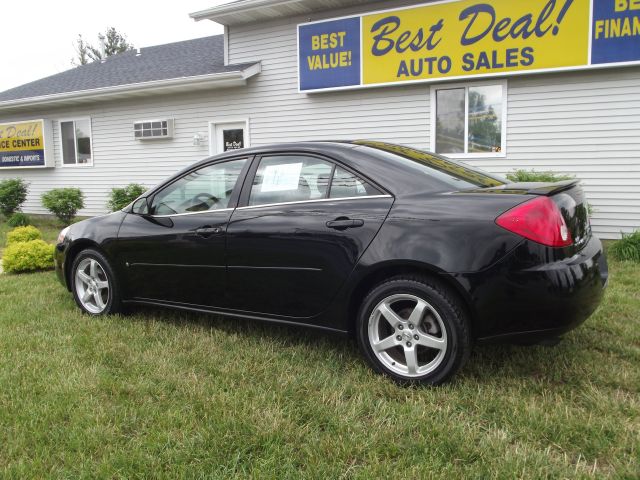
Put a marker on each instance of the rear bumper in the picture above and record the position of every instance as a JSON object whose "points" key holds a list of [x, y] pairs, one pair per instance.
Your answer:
{"points": [[529, 296]]}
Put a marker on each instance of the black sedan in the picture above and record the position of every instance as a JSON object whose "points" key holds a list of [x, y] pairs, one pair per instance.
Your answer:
{"points": [[414, 254]]}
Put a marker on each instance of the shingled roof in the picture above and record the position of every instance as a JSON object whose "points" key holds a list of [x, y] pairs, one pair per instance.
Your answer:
{"points": [[180, 60]]}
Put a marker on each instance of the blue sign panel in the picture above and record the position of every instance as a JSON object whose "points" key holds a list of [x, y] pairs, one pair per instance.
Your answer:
{"points": [[23, 158], [329, 54], [616, 31]]}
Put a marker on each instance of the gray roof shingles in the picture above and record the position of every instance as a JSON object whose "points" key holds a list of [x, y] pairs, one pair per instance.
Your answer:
{"points": [[189, 58]]}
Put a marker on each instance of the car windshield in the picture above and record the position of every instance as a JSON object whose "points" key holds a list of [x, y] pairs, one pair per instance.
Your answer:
{"points": [[453, 173]]}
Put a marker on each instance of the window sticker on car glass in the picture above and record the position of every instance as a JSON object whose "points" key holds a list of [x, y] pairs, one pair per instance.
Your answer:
{"points": [[279, 178]]}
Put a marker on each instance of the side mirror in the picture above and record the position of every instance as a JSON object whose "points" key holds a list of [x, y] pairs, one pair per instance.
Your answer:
{"points": [[140, 206]]}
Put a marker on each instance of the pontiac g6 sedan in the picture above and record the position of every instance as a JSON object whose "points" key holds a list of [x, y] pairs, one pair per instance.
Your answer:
{"points": [[414, 254]]}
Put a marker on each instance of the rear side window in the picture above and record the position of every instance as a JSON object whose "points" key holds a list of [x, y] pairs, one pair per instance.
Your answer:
{"points": [[300, 178], [290, 178], [347, 185]]}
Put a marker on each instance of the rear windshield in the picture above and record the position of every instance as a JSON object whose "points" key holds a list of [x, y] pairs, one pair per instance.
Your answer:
{"points": [[444, 170]]}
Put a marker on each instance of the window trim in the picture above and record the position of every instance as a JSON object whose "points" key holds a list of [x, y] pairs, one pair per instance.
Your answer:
{"points": [[171, 215], [75, 142], [317, 200], [467, 85]]}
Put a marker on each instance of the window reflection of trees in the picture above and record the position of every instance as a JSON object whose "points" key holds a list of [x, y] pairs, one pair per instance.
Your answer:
{"points": [[485, 125], [484, 116], [450, 120]]}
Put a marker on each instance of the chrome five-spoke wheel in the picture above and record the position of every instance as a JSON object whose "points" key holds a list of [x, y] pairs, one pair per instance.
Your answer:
{"points": [[407, 335], [92, 285]]}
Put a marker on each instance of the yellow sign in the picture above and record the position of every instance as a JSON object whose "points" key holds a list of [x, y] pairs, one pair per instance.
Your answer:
{"points": [[471, 38], [21, 136], [22, 144]]}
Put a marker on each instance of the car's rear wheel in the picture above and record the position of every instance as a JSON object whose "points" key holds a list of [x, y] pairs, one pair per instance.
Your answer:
{"points": [[414, 330], [94, 285]]}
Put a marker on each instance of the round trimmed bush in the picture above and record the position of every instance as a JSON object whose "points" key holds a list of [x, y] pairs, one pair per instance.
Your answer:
{"points": [[28, 257], [23, 234], [121, 197], [19, 219], [64, 203], [13, 193]]}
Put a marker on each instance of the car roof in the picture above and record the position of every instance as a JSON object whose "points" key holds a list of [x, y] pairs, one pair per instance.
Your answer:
{"points": [[378, 162], [315, 146]]}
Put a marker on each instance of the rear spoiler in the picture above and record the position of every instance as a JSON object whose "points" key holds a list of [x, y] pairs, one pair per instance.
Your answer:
{"points": [[529, 188]]}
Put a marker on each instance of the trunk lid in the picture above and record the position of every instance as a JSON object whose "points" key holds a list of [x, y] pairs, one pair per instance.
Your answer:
{"points": [[575, 211], [568, 195]]}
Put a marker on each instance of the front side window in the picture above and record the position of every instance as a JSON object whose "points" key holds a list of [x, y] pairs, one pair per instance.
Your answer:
{"points": [[469, 120], [208, 188], [76, 142], [298, 178]]}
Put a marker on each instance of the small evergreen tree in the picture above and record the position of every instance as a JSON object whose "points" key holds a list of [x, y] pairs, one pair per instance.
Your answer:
{"points": [[110, 43], [82, 52]]}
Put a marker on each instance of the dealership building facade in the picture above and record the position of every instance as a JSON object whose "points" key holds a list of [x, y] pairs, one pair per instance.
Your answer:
{"points": [[503, 85]]}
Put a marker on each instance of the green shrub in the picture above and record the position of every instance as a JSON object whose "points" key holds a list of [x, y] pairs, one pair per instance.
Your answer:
{"points": [[13, 193], [23, 234], [121, 197], [526, 176], [628, 248], [64, 203], [19, 219], [28, 257]]}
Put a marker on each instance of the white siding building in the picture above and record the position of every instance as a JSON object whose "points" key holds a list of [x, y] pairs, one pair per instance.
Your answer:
{"points": [[583, 122]]}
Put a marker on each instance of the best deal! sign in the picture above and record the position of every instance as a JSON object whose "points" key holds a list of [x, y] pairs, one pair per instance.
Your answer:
{"points": [[468, 38], [23, 144]]}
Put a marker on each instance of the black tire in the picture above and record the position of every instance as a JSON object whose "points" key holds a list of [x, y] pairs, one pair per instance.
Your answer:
{"points": [[112, 299], [442, 303]]}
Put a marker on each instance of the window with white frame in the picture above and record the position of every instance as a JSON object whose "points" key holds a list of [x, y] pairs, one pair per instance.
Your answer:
{"points": [[469, 120], [75, 137]]}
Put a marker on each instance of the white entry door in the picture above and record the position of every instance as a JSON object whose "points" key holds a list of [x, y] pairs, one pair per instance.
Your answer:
{"points": [[228, 136]]}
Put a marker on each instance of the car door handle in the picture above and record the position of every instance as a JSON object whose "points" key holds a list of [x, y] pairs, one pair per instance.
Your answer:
{"points": [[207, 231], [344, 223]]}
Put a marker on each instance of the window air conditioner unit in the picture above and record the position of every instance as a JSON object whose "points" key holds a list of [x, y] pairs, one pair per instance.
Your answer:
{"points": [[153, 129]]}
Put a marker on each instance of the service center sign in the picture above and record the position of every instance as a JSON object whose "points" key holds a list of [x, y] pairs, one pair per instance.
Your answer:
{"points": [[23, 144], [468, 38]]}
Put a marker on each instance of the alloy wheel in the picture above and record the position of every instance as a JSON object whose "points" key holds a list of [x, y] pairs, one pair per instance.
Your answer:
{"points": [[407, 335], [92, 285]]}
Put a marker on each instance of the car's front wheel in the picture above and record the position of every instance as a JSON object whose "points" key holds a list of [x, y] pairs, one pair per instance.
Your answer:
{"points": [[94, 285], [414, 330]]}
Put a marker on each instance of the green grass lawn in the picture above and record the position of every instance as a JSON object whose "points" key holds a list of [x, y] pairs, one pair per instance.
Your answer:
{"points": [[166, 394]]}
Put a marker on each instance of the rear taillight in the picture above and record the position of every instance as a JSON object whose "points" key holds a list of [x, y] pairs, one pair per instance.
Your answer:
{"points": [[539, 220]]}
